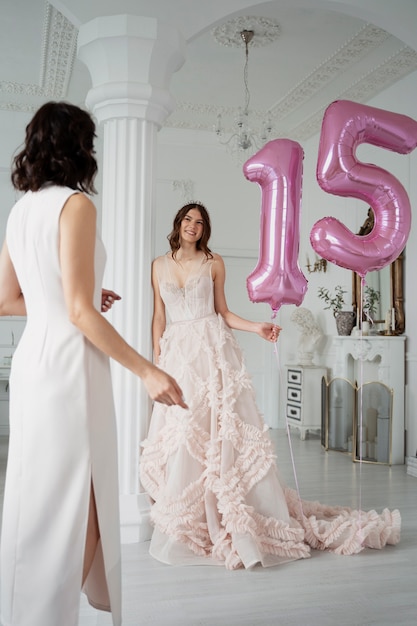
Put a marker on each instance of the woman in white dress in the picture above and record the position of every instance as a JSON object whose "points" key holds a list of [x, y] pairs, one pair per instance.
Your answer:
{"points": [[210, 470], [60, 528]]}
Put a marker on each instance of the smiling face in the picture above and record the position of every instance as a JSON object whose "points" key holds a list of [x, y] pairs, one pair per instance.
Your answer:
{"points": [[192, 227]]}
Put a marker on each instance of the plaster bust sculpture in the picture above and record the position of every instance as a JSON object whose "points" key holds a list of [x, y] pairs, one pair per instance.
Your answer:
{"points": [[310, 334]]}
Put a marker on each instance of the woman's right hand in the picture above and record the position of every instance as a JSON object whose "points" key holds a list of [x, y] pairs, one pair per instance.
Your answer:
{"points": [[162, 388]]}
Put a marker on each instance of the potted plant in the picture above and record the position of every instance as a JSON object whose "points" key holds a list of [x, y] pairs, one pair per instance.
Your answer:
{"points": [[345, 320]]}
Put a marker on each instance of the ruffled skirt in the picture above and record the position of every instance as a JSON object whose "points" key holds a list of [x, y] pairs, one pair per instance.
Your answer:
{"points": [[211, 470]]}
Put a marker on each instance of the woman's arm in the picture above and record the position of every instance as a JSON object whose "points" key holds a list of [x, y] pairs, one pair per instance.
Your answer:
{"points": [[77, 243], [159, 317], [12, 301], [266, 330]]}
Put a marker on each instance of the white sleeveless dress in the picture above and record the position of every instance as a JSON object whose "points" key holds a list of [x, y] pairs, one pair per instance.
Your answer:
{"points": [[62, 438], [210, 470]]}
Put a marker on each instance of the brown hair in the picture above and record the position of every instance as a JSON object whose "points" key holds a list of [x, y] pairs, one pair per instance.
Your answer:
{"points": [[58, 149], [174, 236]]}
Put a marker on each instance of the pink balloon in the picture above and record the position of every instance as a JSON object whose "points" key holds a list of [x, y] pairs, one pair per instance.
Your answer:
{"points": [[277, 278], [345, 126]]}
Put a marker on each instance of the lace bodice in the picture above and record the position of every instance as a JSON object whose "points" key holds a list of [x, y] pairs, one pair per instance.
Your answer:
{"points": [[192, 301]]}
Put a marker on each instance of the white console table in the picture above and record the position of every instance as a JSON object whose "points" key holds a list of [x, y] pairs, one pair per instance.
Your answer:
{"points": [[380, 359]]}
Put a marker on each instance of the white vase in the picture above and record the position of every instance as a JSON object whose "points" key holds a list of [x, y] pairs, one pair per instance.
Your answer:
{"points": [[365, 327]]}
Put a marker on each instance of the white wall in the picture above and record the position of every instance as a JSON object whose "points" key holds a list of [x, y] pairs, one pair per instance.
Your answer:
{"points": [[12, 135]]}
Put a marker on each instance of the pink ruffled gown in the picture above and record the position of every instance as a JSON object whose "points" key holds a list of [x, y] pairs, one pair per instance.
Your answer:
{"points": [[210, 470]]}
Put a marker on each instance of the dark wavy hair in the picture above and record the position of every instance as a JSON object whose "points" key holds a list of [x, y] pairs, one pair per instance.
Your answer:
{"points": [[58, 149], [174, 236]]}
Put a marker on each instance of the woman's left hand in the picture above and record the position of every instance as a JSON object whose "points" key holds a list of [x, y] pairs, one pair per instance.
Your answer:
{"points": [[269, 331], [108, 298]]}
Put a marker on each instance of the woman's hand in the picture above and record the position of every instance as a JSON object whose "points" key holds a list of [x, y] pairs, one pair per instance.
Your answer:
{"points": [[269, 331], [108, 298], [162, 388]]}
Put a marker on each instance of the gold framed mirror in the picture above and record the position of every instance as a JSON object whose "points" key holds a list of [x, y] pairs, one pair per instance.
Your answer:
{"points": [[392, 281]]}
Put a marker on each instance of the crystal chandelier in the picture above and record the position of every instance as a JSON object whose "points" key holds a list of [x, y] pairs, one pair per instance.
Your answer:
{"points": [[244, 140]]}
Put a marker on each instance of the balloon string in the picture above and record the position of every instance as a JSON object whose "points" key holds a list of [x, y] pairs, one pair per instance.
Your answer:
{"points": [[360, 407], [281, 386]]}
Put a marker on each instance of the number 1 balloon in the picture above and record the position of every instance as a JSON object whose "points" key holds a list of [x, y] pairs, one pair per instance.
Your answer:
{"points": [[345, 126], [277, 278]]}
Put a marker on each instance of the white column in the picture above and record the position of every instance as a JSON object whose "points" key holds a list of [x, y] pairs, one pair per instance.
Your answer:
{"points": [[131, 60]]}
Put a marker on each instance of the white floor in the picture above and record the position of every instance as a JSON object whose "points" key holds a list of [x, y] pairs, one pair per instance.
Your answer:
{"points": [[373, 588]]}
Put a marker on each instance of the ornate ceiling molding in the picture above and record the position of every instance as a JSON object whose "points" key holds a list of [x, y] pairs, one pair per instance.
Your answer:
{"points": [[59, 42], [397, 66], [265, 31], [202, 117], [368, 38], [59, 49]]}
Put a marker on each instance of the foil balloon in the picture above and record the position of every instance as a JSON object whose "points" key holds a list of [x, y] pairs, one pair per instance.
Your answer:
{"points": [[346, 125], [277, 278]]}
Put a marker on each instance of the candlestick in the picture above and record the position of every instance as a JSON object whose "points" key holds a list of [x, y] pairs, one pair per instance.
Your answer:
{"points": [[388, 322]]}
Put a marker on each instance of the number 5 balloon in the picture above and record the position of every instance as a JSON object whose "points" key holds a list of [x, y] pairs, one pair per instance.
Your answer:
{"points": [[277, 278], [345, 126]]}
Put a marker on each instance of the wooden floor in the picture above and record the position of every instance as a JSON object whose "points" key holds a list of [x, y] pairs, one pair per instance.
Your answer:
{"points": [[372, 588]]}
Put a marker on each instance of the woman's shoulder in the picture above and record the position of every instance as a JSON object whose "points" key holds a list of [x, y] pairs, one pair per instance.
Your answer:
{"points": [[217, 265], [74, 201], [159, 263], [217, 259], [161, 259], [65, 197], [52, 188]]}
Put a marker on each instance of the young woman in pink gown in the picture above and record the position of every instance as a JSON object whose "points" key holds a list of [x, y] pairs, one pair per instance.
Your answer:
{"points": [[210, 470]]}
